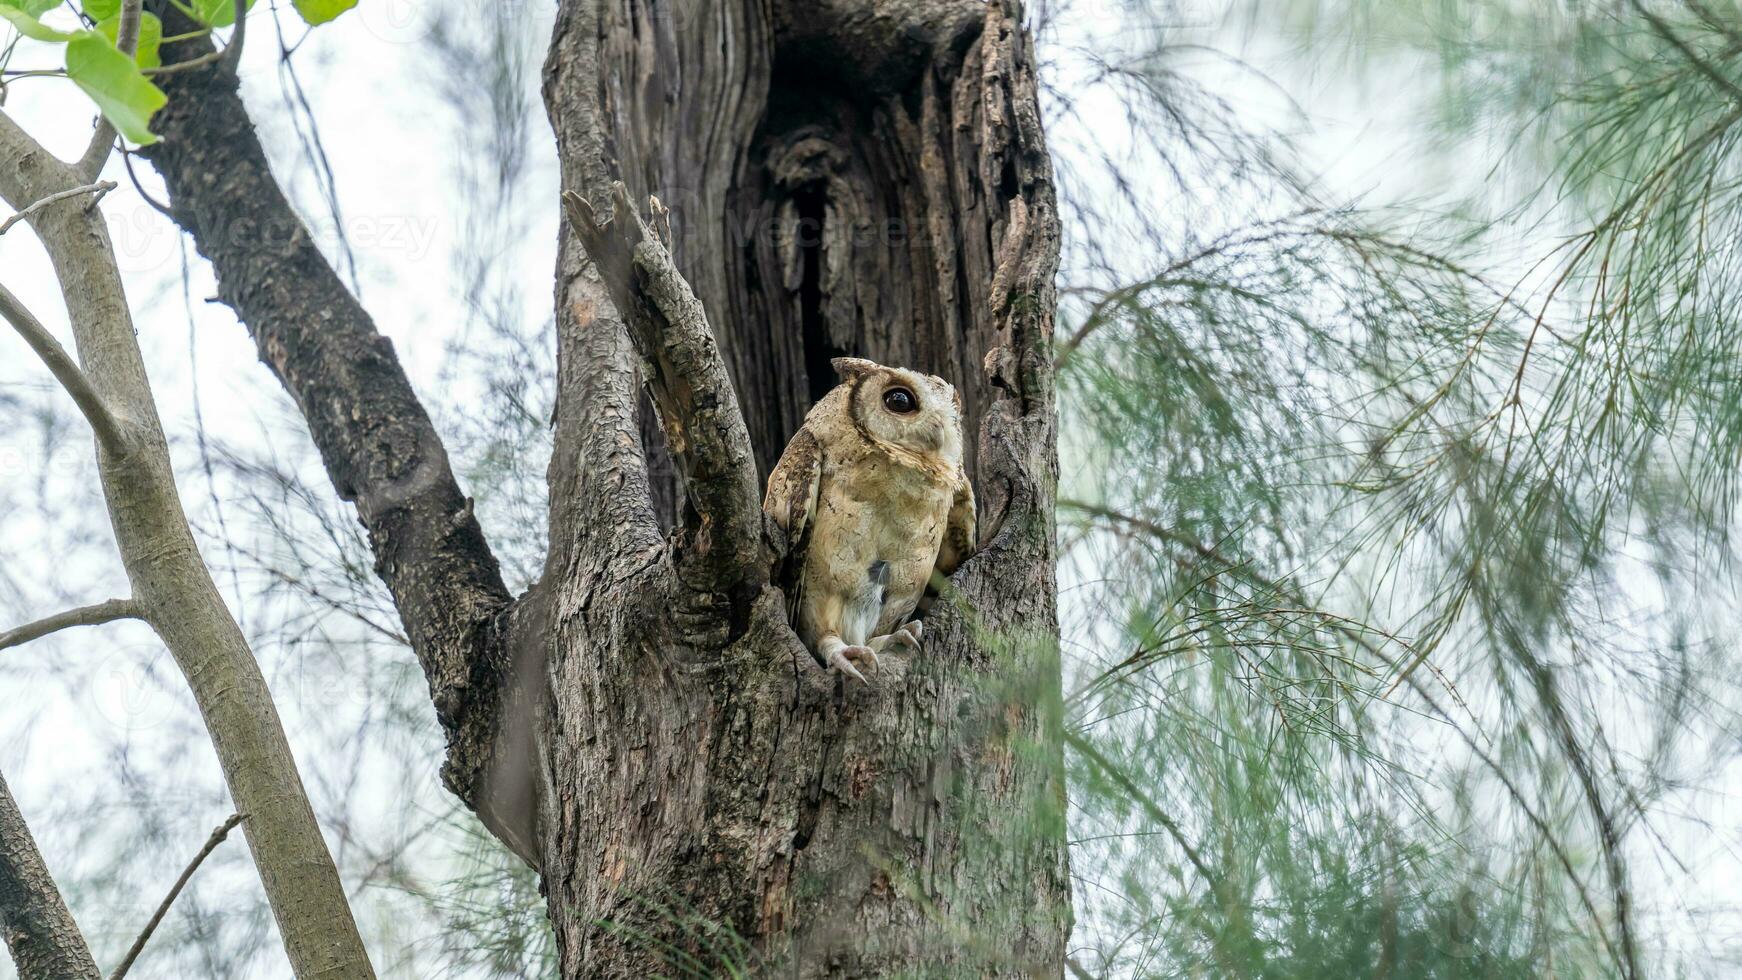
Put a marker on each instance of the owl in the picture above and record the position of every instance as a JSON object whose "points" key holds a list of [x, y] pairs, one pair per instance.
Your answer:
{"points": [[873, 498]]}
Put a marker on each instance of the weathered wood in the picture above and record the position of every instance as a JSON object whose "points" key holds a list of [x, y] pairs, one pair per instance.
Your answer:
{"points": [[843, 176], [864, 178], [702, 427]]}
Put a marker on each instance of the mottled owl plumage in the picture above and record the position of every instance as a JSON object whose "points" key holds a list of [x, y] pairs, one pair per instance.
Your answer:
{"points": [[873, 498]]}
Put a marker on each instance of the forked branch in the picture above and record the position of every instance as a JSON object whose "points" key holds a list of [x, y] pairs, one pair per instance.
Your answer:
{"points": [[111, 433], [686, 376], [379, 446], [97, 189]]}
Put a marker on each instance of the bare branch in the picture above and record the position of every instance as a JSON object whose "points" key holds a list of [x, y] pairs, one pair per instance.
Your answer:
{"points": [[222, 831], [209, 58], [44, 939], [169, 576], [230, 54], [697, 405], [102, 612], [99, 189], [91, 162], [111, 431], [233, 50], [379, 447]]}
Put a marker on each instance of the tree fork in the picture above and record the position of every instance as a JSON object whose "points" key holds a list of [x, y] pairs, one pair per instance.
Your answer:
{"points": [[915, 827], [375, 438], [693, 789]]}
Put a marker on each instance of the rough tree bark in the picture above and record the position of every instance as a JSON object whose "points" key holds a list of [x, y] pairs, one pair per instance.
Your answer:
{"points": [[45, 941], [844, 176]]}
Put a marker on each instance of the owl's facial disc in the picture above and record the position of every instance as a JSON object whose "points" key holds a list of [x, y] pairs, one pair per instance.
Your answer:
{"points": [[903, 409]]}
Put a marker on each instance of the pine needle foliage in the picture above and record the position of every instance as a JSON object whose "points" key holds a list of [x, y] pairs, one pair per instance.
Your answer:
{"points": [[1398, 651]]}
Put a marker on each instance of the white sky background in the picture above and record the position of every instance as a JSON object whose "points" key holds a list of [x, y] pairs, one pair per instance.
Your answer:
{"points": [[96, 724], [97, 719]]}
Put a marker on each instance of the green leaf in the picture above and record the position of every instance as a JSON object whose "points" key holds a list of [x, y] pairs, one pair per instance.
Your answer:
{"points": [[101, 10], [150, 37], [29, 26], [317, 12], [113, 81], [35, 8], [217, 13]]}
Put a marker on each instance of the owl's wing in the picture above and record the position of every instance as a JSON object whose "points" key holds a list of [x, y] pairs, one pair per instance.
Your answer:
{"points": [[790, 502], [959, 533]]}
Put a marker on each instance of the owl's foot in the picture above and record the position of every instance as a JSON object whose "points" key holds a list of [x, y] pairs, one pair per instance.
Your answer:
{"points": [[843, 658], [906, 635]]}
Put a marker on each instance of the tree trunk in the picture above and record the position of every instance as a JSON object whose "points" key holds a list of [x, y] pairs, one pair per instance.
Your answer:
{"points": [[846, 177], [843, 176], [45, 941]]}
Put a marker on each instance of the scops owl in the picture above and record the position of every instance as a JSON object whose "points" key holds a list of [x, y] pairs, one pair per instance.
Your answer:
{"points": [[872, 496]]}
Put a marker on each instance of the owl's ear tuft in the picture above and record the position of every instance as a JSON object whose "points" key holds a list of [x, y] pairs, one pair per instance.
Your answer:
{"points": [[852, 367]]}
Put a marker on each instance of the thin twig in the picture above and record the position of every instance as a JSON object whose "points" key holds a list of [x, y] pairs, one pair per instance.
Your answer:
{"points": [[233, 50], [111, 432], [99, 189], [1700, 64], [127, 162], [230, 55], [210, 57], [102, 612], [212, 842], [103, 140]]}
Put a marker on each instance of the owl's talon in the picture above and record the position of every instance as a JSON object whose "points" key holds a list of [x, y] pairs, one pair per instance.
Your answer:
{"points": [[899, 637], [910, 633], [842, 657]]}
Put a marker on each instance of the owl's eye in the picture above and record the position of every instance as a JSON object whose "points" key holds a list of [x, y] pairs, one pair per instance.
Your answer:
{"points": [[900, 401]]}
